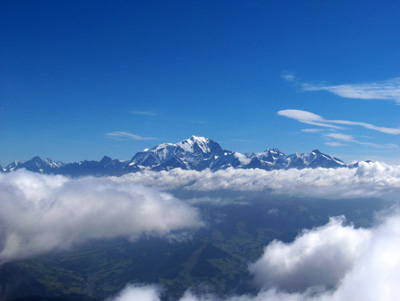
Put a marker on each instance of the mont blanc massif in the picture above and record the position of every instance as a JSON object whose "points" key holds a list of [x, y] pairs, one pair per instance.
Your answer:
{"points": [[195, 153]]}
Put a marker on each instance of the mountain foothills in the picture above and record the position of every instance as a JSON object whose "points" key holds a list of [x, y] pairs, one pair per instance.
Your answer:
{"points": [[195, 153]]}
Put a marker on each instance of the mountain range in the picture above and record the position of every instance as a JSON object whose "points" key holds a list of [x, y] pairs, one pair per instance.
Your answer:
{"points": [[195, 153]]}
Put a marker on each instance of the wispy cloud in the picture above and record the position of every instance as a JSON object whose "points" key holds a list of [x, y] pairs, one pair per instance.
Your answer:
{"points": [[334, 144], [311, 130], [342, 137], [350, 138], [389, 89], [313, 119], [391, 131], [122, 135], [145, 113], [307, 118], [288, 76]]}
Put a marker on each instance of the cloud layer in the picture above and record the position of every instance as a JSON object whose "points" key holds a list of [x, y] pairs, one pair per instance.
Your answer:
{"points": [[372, 179], [41, 213]]}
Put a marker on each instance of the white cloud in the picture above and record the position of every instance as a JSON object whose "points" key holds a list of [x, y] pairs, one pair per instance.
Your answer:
{"points": [[334, 144], [368, 261], [317, 258], [288, 76], [138, 292], [127, 136], [389, 90], [307, 118], [313, 119], [376, 272], [391, 131], [372, 179], [40, 213], [342, 137]]}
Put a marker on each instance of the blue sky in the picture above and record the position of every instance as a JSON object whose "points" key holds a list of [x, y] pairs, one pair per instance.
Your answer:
{"points": [[83, 79]]}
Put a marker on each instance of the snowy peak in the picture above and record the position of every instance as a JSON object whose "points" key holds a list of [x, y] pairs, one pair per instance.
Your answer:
{"points": [[230, 159], [36, 164], [195, 145], [313, 160], [13, 166], [194, 153]]}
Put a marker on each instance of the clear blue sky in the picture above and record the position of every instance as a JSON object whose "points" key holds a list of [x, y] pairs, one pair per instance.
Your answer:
{"points": [[83, 79]]}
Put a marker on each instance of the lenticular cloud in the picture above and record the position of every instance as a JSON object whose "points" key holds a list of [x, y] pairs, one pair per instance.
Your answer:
{"points": [[40, 213], [372, 179]]}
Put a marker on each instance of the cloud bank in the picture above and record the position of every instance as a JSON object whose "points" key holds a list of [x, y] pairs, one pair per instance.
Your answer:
{"points": [[372, 179], [40, 213], [334, 262]]}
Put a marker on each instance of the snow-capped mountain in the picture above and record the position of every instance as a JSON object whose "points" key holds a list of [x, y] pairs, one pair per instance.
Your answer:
{"points": [[36, 164], [313, 160], [195, 153], [268, 160], [274, 159]]}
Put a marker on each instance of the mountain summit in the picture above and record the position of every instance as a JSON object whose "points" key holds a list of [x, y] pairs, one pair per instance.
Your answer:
{"points": [[194, 153]]}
